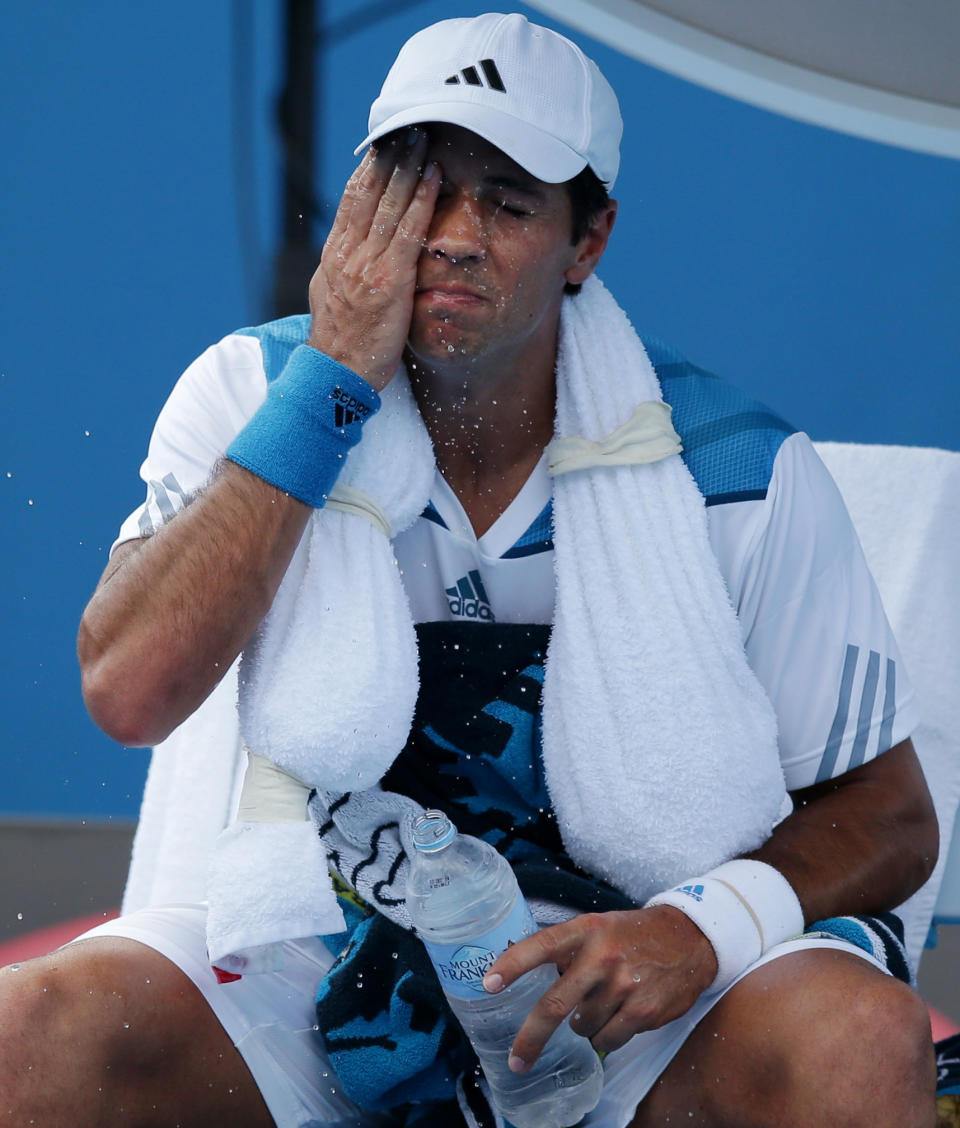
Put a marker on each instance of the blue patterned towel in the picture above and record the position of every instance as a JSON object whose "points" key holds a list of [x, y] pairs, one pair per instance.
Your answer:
{"points": [[474, 753], [948, 1067], [881, 936]]}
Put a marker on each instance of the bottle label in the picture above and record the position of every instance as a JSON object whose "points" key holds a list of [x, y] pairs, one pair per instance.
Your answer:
{"points": [[461, 967]]}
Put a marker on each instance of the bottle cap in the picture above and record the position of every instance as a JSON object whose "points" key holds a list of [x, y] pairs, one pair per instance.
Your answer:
{"points": [[433, 831]]}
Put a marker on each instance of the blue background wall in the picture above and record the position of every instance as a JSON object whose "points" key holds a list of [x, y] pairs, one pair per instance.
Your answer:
{"points": [[138, 204]]}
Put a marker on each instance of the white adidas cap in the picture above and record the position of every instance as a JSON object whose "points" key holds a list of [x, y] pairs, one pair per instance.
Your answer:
{"points": [[523, 88]]}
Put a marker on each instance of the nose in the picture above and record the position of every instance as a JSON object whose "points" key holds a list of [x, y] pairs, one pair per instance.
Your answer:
{"points": [[456, 230]]}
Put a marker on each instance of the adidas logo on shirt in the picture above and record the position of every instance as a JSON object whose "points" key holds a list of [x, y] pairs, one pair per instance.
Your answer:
{"points": [[468, 600], [471, 76], [347, 408], [694, 891]]}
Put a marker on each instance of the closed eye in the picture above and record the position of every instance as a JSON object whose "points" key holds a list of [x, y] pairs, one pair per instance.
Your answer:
{"points": [[516, 197], [512, 209]]}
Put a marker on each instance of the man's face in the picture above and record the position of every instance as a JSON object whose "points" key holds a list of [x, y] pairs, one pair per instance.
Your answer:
{"points": [[492, 273]]}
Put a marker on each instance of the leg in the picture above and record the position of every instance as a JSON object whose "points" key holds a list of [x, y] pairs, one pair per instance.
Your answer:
{"points": [[108, 1030], [817, 1037]]}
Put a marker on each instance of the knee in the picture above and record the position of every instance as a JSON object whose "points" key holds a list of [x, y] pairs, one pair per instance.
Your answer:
{"points": [[107, 1030], [820, 1037], [65, 1029], [37, 1029], [29, 997], [863, 1040], [885, 1041]]}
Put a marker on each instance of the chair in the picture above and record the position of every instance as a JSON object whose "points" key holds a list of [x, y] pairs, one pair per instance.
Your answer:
{"points": [[905, 506]]}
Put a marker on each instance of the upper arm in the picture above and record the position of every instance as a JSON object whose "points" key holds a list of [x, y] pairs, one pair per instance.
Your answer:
{"points": [[814, 627], [897, 772], [894, 789], [208, 406]]}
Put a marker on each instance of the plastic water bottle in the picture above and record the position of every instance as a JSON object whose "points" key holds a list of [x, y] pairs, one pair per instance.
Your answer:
{"points": [[464, 900]]}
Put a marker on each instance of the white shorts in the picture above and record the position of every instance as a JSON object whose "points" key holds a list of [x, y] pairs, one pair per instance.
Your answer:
{"points": [[271, 1020]]}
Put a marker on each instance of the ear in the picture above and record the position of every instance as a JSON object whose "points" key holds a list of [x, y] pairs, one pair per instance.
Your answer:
{"points": [[591, 247]]}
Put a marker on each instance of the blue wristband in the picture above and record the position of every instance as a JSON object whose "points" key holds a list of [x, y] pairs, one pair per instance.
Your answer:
{"points": [[300, 437]]}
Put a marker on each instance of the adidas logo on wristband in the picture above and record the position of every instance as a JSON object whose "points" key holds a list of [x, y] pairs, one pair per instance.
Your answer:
{"points": [[347, 409], [743, 907]]}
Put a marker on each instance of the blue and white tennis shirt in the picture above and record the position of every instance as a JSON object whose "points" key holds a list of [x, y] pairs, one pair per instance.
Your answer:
{"points": [[813, 626]]}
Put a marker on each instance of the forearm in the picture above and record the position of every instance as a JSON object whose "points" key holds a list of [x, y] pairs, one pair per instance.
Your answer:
{"points": [[862, 843], [165, 624], [169, 619]]}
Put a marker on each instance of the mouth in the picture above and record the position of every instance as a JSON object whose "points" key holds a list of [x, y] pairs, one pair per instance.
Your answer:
{"points": [[450, 295]]}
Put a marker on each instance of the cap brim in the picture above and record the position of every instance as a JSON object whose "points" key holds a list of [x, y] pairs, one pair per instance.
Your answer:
{"points": [[541, 155]]}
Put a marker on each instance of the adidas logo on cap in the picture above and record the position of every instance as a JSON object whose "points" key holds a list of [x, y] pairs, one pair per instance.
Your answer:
{"points": [[472, 78], [468, 599]]}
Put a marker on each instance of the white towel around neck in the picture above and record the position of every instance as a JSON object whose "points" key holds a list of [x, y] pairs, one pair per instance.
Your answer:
{"points": [[659, 743], [660, 746]]}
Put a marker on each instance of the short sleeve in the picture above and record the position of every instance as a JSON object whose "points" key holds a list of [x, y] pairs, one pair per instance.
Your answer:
{"points": [[209, 404], [814, 628]]}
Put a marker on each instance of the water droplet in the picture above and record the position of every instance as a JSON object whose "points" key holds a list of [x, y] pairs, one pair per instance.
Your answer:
{"points": [[637, 978], [14, 967], [19, 916]]}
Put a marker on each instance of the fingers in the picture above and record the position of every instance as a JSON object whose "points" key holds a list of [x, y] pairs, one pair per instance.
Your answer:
{"points": [[623, 972], [354, 193], [540, 948], [361, 196], [580, 989], [378, 193], [562, 943], [362, 293], [411, 232], [400, 190]]}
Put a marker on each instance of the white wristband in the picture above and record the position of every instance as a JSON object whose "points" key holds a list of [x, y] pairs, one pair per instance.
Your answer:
{"points": [[743, 908]]}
